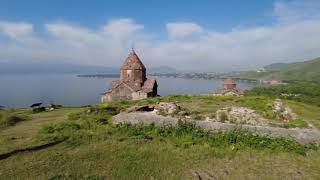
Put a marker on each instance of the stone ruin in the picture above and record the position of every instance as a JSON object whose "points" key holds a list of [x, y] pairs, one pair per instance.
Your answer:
{"points": [[235, 115], [283, 112], [240, 115], [229, 89], [229, 114], [242, 118], [163, 108]]}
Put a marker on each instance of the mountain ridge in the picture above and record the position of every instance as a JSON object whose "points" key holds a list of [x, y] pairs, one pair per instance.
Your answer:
{"points": [[63, 68], [306, 71]]}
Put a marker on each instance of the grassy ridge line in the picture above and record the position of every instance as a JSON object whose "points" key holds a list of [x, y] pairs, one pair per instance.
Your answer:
{"points": [[306, 71]]}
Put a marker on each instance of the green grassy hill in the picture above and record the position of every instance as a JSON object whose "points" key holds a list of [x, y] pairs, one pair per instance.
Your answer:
{"points": [[307, 71], [93, 148]]}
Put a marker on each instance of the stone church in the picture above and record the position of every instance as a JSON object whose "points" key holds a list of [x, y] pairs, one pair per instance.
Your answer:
{"points": [[133, 83], [229, 89]]}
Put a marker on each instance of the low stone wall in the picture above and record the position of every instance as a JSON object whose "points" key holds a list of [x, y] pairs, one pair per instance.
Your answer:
{"points": [[303, 136], [144, 118]]}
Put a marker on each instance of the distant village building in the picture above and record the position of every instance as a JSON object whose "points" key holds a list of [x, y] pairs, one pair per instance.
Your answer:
{"points": [[229, 89], [133, 84], [261, 70], [273, 82]]}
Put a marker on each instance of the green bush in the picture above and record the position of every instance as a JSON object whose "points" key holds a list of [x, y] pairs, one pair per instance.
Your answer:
{"points": [[196, 115], [7, 119], [301, 91], [295, 123], [223, 117], [74, 116]]}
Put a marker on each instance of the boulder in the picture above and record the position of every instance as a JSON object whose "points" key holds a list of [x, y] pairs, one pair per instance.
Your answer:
{"points": [[283, 112], [277, 106], [167, 107]]}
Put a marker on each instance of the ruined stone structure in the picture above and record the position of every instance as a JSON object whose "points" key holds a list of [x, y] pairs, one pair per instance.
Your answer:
{"points": [[133, 84], [229, 84], [229, 89]]}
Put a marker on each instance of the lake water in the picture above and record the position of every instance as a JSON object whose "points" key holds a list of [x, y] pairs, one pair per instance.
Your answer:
{"points": [[70, 90]]}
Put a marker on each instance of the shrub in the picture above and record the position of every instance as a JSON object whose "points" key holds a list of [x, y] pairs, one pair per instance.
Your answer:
{"points": [[11, 119], [38, 109], [196, 115], [295, 123], [223, 117], [212, 116], [74, 116], [102, 105], [72, 131], [162, 113]]}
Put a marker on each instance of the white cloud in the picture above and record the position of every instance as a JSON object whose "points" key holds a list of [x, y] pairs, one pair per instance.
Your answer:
{"points": [[182, 30], [122, 28], [69, 32], [16, 30], [296, 10], [294, 36]]}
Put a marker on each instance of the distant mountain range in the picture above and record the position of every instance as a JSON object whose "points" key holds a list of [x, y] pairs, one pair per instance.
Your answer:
{"points": [[61, 68], [49, 68], [307, 70], [276, 65], [162, 70]]}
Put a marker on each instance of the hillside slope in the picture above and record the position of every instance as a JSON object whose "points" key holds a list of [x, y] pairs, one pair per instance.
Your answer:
{"points": [[308, 70], [94, 148]]}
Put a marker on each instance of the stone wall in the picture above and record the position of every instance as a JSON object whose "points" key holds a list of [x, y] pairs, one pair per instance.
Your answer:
{"points": [[133, 75], [303, 136], [139, 95], [229, 86], [120, 93]]}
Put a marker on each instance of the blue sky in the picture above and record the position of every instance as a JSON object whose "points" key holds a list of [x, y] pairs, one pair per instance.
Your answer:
{"points": [[220, 15], [191, 35]]}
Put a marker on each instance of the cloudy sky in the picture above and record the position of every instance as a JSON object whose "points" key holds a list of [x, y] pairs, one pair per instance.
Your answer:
{"points": [[188, 35]]}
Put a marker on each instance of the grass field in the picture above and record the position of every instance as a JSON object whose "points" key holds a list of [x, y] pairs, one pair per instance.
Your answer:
{"points": [[95, 149]]}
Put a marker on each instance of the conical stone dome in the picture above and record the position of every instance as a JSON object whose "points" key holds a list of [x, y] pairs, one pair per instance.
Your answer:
{"points": [[132, 62]]}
